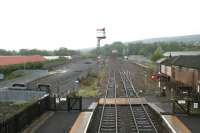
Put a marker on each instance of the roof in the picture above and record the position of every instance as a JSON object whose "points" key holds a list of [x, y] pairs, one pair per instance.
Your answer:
{"points": [[178, 53], [161, 60], [9, 60], [192, 61]]}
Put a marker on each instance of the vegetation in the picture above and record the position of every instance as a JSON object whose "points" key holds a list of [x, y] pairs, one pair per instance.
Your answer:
{"points": [[59, 52], [88, 86], [87, 55], [15, 75], [49, 64], [6, 70], [149, 50], [8, 109], [157, 54]]}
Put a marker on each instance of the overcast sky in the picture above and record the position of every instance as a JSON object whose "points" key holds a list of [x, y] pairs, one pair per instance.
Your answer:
{"points": [[50, 24]]}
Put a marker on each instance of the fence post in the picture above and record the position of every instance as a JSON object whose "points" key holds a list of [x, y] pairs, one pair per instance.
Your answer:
{"points": [[173, 106], [188, 107], [68, 104], [80, 103], [54, 99], [16, 122]]}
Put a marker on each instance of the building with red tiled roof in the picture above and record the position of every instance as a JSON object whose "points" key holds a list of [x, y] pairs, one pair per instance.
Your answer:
{"points": [[10, 60]]}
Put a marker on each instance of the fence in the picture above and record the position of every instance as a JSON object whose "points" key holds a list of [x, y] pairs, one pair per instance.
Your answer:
{"points": [[74, 103], [24, 118], [191, 107]]}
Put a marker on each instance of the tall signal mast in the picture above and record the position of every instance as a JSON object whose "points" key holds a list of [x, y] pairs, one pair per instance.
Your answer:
{"points": [[101, 34]]}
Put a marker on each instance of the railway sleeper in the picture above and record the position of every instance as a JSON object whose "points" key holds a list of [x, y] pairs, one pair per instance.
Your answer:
{"points": [[108, 126], [106, 130], [147, 130]]}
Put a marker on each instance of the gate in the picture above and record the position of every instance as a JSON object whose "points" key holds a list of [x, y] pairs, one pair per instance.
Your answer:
{"points": [[74, 103], [68, 103]]}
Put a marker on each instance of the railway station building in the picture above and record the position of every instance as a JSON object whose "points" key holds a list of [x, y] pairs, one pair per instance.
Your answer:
{"points": [[184, 74]]}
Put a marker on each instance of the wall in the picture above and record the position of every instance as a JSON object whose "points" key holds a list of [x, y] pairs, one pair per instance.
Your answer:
{"points": [[187, 76], [166, 70], [163, 69], [184, 75]]}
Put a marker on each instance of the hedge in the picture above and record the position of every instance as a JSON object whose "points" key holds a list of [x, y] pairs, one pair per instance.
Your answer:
{"points": [[31, 65]]}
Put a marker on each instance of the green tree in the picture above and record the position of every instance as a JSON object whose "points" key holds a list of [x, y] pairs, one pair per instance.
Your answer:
{"points": [[61, 52], [157, 54]]}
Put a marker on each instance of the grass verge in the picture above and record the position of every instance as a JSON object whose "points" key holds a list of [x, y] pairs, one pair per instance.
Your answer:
{"points": [[88, 87], [14, 75]]}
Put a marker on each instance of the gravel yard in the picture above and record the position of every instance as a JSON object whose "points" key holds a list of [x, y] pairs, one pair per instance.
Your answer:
{"points": [[29, 76], [150, 89], [63, 80]]}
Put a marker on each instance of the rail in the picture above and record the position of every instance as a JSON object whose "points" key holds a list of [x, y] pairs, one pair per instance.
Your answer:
{"points": [[128, 77], [133, 116], [107, 116], [116, 116]]}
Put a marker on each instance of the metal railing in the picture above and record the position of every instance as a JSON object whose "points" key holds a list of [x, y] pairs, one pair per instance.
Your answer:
{"points": [[21, 120]]}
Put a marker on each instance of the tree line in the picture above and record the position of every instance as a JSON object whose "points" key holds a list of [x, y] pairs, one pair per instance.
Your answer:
{"points": [[59, 52], [153, 51]]}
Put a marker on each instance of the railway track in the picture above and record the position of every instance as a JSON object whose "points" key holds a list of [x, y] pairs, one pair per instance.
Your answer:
{"points": [[142, 121], [120, 119], [128, 118], [109, 117]]}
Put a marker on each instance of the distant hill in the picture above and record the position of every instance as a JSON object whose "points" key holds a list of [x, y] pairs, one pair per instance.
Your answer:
{"points": [[187, 39]]}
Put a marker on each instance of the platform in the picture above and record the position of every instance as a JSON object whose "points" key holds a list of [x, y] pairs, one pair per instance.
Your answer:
{"points": [[156, 108], [82, 122], [174, 124], [122, 101]]}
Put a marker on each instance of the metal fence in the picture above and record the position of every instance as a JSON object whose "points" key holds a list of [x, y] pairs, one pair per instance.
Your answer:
{"points": [[74, 103], [190, 107], [21, 120]]}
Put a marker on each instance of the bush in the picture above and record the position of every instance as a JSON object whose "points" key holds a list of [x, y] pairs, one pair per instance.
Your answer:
{"points": [[49, 64], [10, 68]]}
